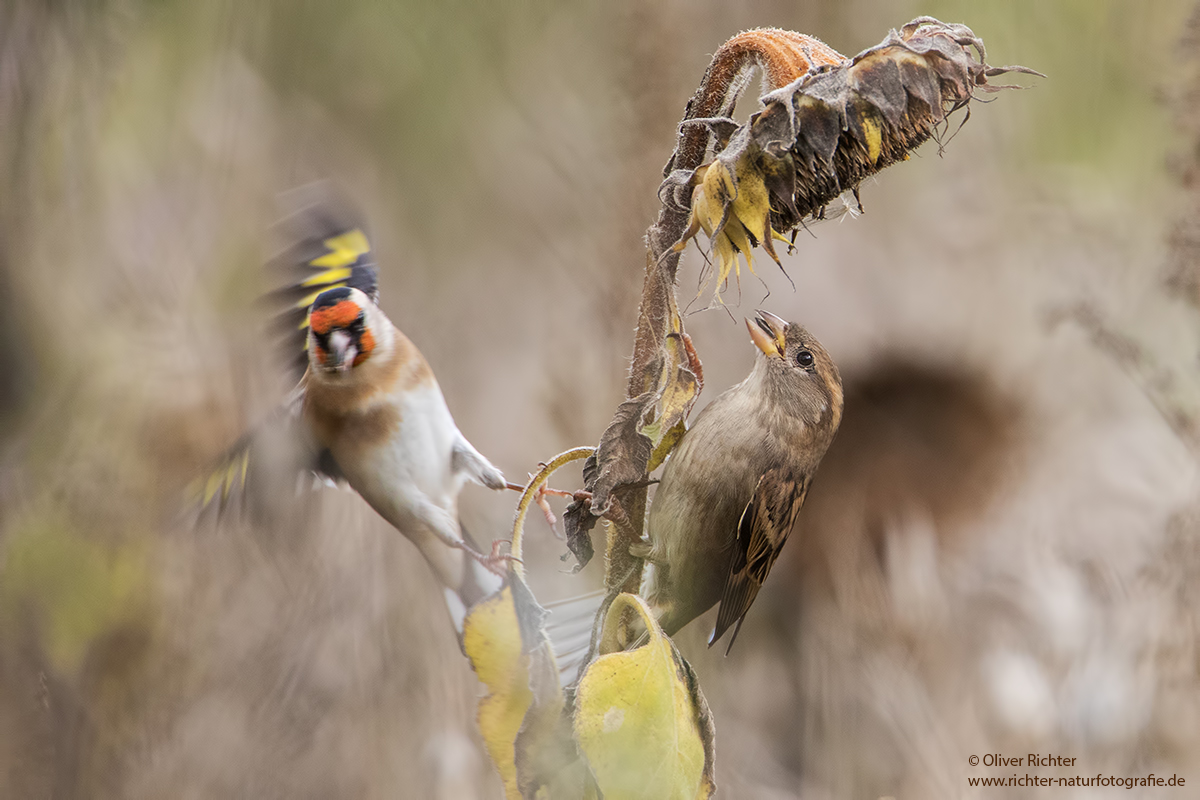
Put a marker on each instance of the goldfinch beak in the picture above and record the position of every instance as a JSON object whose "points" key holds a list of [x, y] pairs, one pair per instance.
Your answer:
{"points": [[341, 351], [767, 331]]}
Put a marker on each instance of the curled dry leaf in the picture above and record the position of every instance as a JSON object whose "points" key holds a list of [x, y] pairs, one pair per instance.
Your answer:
{"points": [[642, 432], [578, 521], [523, 716], [626, 448], [492, 641]]}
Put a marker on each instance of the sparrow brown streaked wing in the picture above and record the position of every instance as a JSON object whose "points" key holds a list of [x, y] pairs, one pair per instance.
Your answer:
{"points": [[763, 529]]}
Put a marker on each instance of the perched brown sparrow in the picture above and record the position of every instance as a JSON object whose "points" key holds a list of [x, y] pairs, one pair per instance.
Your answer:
{"points": [[731, 491], [367, 411]]}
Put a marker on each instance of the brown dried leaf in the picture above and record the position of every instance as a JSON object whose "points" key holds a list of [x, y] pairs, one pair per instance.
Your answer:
{"points": [[623, 452], [578, 521]]}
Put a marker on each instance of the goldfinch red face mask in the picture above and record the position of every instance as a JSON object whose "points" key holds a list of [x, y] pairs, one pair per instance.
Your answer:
{"points": [[340, 336]]}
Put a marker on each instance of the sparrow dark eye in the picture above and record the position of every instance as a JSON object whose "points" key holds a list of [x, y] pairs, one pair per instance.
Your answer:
{"points": [[805, 358]]}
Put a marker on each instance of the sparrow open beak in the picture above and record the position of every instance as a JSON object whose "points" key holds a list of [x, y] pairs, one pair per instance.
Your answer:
{"points": [[767, 332]]}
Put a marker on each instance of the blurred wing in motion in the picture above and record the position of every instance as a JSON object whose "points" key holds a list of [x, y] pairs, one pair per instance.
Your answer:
{"points": [[264, 468], [764, 527], [329, 248]]}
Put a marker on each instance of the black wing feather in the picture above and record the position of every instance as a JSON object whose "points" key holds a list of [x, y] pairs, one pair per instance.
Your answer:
{"points": [[328, 248]]}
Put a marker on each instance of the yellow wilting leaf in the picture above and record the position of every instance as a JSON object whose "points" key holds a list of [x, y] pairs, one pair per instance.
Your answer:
{"points": [[736, 234], [678, 387], [752, 207], [710, 202], [712, 195], [666, 445], [731, 207], [492, 641], [639, 720], [522, 718]]}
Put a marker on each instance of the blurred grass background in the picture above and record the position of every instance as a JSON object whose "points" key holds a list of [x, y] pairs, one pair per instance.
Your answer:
{"points": [[1000, 554]]}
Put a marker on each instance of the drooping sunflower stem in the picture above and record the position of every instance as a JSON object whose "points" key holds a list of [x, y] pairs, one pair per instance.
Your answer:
{"points": [[827, 123], [783, 56]]}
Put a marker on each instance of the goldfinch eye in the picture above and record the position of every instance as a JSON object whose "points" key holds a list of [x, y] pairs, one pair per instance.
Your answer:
{"points": [[804, 359]]}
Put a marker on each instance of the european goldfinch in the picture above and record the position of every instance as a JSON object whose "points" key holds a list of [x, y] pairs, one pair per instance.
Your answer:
{"points": [[367, 410]]}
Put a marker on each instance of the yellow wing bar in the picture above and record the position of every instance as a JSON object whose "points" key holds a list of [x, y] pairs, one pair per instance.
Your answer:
{"points": [[344, 251]]}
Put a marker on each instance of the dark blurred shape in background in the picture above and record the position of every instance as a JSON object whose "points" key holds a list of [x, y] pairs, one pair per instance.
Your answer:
{"points": [[922, 440], [999, 554]]}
